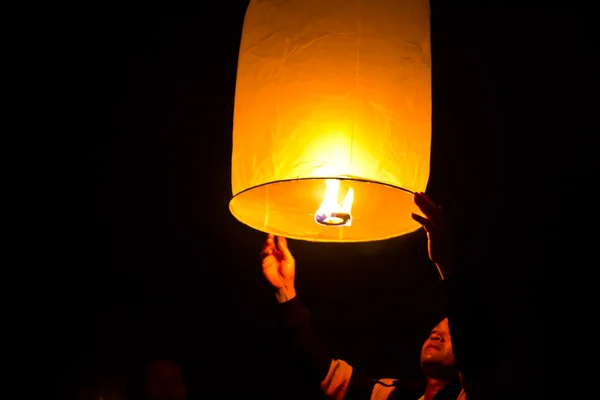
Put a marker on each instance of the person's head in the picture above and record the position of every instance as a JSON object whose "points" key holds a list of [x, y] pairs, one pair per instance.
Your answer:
{"points": [[437, 357], [164, 381]]}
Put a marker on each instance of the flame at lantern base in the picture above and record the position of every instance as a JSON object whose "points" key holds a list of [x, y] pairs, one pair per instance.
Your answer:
{"points": [[331, 213], [334, 218]]}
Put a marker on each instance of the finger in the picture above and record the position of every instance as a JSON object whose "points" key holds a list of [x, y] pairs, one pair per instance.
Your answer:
{"points": [[427, 224], [268, 247], [283, 247], [428, 207], [432, 204], [270, 239], [270, 242], [266, 252], [428, 199]]}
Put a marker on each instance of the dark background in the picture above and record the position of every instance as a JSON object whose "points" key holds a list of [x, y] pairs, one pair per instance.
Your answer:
{"points": [[160, 267]]}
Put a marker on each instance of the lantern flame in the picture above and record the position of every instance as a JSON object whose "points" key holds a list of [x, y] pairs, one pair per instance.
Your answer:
{"points": [[332, 213]]}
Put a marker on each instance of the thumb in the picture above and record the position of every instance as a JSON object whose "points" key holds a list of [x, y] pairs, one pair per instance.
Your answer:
{"points": [[427, 224], [283, 247]]}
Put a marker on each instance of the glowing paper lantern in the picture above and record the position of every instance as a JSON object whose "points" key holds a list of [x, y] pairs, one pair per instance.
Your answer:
{"points": [[332, 120]]}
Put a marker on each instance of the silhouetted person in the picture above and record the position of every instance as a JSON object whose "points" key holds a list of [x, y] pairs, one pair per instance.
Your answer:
{"points": [[337, 378]]}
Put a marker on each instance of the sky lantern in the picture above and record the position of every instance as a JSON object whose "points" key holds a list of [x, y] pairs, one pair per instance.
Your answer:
{"points": [[332, 118]]}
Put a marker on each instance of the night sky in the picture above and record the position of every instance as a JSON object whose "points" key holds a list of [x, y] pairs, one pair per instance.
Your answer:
{"points": [[160, 266]]}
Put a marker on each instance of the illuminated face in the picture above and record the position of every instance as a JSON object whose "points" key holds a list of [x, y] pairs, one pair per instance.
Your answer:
{"points": [[164, 381], [436, 352]]}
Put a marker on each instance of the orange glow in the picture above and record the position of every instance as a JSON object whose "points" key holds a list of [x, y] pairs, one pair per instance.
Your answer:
{"points": [[332, 98], [331, 212]]}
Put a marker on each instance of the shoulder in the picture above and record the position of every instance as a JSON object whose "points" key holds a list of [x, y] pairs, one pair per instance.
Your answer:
{"points": [[384, 389]]}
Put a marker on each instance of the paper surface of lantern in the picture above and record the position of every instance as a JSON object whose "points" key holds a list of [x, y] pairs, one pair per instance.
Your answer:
{"points": [[332, 118]]}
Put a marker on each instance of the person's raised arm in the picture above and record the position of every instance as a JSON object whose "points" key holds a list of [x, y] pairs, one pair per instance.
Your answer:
{"points": [[337, 378], [476, 367]]}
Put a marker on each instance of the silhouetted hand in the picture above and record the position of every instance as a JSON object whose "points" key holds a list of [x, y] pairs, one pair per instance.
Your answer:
{"points": [[279, 267], [438, 233]]}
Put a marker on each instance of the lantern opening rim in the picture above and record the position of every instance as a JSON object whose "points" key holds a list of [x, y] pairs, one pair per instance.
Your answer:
{"points": [[341, 178]]}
